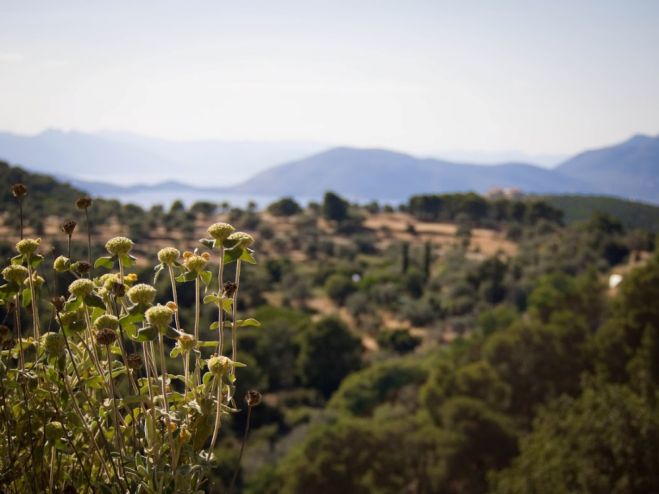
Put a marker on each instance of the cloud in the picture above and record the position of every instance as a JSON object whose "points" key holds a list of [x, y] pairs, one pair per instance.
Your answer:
{"points": [[11, 57]]}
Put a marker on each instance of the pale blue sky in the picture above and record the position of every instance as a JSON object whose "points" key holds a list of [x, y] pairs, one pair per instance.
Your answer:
{"points": [[419, 76]]}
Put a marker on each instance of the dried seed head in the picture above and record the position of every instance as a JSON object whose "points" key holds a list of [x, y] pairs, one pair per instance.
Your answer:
{"points": [[84, 202], [105, 336], [81, 267], [68, 227], [195, 263], [207, 256], [15, 273], [53, 344], [253, 398], [184, 435], [81, 287], [19, 190], [54, 431], [119, 246], [187, 254], [241, 239], [58, 303], [107, 321], [28, 246], [168, 255], [107, 279], [134, 361], [172, 305], [61, 264], [159, 316], [220, 231], [187, 342], [219, 365], [142, 294], [118, 289], [230, 288]]}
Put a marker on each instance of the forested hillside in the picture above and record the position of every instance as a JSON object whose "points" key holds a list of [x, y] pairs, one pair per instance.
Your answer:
{"points": [[454, 344]]}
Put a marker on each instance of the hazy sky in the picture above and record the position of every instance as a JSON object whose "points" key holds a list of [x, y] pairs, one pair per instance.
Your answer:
{"points": [[536, 76]]}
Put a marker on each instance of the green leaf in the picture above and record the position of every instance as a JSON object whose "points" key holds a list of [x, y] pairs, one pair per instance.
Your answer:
{"points": [[207, 242], [176, 351], [35, 260], [93, 300], [147, 333], [17, 259], [248, 257], [8, 290], [127, 260], [206, 277], [215, 325], [211, 298], [241, 323], [187, 276], [106, 262], [172, 333], [232, 255], [26, 297]]}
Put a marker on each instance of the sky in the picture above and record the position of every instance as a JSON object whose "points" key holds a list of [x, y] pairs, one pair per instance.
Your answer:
{"points": [[532, 76]]}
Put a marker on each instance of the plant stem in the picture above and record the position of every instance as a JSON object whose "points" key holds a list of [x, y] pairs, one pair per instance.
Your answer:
{"points": [[163, 384], [234, 310], [117, 428], [197, 308], [20, 212], [33, 303], [220, 311], [174, 295], [89, 239], [17, 313], [242, 448]]}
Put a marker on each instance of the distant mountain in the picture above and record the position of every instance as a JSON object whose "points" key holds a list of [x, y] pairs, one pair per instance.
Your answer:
{"points": [[128, 158], [629, 169], [379, 174]]}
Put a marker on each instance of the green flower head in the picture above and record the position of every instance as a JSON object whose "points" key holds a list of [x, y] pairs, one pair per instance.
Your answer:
{"points": [[28, 246], [220, 231], [241, 239], [142, 294], [106, 321], [53, 343], [159, 316], [195, 263], [15, 273], [119, 246], [168, 255], [219, 365], [187, 342], [81, 287], [62, 264]]}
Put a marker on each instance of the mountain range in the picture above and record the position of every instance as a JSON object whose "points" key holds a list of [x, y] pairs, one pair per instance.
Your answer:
{"points": [[629, 169]]}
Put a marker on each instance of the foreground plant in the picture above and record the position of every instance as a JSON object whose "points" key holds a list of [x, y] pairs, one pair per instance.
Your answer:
{"points": [[90, 405]]}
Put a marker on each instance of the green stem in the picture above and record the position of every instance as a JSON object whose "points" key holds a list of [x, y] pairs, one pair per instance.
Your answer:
{"points": [[163, 384], [33, 303], [234, 311], [220, 311]]}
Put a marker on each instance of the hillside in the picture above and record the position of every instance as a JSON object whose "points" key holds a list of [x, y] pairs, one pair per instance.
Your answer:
{"points": [[386, 175], [629, 169], [129, 158], [631, 214]]}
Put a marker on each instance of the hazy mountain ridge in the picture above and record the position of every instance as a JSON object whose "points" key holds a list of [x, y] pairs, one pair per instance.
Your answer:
{"points": [[124, 158], [100, 163]]}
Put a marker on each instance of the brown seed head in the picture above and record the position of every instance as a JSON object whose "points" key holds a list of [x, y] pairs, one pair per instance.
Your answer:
{"points": [[230, 288], [58, 303], [81, 267], [19, 190], [84, 202], [68, 227], [105, 336], [253, 398], [134, 361]]}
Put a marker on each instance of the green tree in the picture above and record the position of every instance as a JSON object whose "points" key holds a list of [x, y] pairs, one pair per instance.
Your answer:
{"points": [[328, 353], [286, 206], [335, 207]]}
